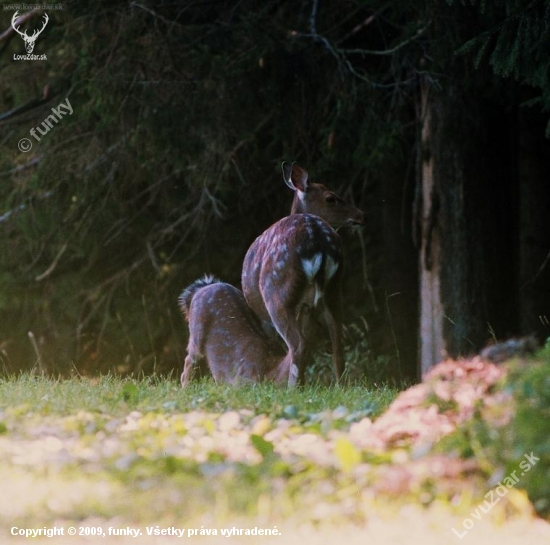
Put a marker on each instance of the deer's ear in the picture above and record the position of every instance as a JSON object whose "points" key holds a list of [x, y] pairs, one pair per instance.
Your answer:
{"points": [[287, 173], [295, 177]]}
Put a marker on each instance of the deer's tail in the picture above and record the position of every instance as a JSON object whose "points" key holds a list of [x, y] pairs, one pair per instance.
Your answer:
{"points": [[186, 296]]}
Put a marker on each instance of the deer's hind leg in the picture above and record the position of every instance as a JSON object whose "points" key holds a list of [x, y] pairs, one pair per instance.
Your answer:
{"points": [[287, 325], [195, 364]]}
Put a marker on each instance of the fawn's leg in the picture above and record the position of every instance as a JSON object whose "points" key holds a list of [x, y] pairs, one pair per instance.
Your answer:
{"points": [[193, 362]]}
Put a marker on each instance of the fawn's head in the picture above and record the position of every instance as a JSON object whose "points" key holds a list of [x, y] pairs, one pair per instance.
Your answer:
{"points": [[317, 199]]}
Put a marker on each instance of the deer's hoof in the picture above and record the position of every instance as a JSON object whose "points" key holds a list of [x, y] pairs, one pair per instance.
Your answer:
{"points": [[293, 375]]}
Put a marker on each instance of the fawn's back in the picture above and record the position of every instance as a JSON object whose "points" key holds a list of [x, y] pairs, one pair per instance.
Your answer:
{"points": [[225, 335]]}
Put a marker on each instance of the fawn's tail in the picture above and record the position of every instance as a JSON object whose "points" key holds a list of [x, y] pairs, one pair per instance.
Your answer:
{"points": [[186, 296]]}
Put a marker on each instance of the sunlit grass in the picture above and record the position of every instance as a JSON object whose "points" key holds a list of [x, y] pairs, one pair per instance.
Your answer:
{"points": [[115, 396]]}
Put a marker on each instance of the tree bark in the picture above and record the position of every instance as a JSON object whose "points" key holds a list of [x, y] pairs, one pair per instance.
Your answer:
{"points": [[431, 345], [534, 178], [469, 222]]}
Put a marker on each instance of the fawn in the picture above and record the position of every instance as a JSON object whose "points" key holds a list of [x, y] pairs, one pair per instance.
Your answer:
{"points": [[226, 337]]}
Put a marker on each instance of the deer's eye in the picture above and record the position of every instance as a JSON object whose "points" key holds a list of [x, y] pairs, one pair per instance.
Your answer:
{"points": [[330, 199]]}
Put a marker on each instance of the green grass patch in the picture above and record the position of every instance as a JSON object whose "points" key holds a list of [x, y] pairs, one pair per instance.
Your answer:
{"points": [[116, 396]]}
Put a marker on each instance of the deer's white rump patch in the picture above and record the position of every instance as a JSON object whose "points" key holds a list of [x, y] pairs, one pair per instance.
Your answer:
{"points": [[331, 266], [311, 266]]}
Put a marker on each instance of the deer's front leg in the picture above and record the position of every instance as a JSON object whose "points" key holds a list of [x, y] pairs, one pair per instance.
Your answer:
{"points": [[335, 332]]}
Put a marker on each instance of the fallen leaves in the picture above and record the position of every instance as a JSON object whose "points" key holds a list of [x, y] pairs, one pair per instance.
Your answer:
{"points": [[449, 396], [333, 461]]}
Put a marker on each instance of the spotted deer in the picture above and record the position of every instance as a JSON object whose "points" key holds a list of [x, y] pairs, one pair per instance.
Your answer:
{"points": [[226, 337], [292, 272]]}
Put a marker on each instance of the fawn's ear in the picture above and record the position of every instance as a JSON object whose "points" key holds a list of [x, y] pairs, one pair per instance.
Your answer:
{"points": [[295, 177]]}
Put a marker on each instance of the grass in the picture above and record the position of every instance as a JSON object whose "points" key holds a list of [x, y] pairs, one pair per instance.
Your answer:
{"points": [[111, 453], [115, 396]]}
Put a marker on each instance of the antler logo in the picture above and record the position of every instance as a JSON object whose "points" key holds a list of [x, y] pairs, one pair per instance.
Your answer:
{"points": [[29, 40]]}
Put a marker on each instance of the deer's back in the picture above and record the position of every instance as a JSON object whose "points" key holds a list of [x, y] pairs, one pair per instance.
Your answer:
{"points": [[295, 251], [230, 336]]}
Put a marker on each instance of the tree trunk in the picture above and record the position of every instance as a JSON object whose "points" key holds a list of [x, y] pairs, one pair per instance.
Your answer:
{"points": [[534, 177], [469, 221], [431, 345]]}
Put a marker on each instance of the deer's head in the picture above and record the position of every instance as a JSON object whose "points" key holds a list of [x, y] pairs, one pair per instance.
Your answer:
{"points": [[317, 199]]}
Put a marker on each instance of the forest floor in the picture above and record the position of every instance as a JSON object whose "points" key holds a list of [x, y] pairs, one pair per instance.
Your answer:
{"points": [[151, 463]]}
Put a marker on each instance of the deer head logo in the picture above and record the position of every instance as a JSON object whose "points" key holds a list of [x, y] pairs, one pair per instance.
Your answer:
{"points": [[29, 40]]}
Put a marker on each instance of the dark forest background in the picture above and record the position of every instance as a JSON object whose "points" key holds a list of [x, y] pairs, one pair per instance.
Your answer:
{"points": [[431, 116]]}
